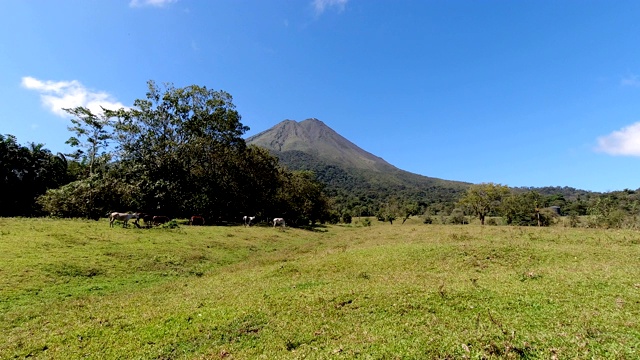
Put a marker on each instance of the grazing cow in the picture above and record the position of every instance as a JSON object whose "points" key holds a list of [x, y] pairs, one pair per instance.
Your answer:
{"points": [[278, 221], [124, 217], [196, 220], [148, 220], [157, 220], [248, 220]]}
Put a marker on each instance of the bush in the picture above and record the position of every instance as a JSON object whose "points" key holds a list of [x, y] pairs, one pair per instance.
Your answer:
{"points": [[547, 217], [173, 224], [366, 222], [574, 220], [428, 220], [457, 217], [491, 221], [346, 218], [90, 198], [334, 218]]}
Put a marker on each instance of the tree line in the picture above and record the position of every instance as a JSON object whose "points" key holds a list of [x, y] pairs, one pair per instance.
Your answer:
{"points": [[26, 172], [177, 152], [527, 207]]}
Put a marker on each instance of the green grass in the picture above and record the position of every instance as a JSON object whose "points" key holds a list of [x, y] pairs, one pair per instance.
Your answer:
{"points": [[79, 289]]}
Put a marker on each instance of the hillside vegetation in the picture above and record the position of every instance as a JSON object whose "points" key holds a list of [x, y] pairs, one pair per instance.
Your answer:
{"points": [[353, 176], [79, 289], [360, 183], [350, 185]]}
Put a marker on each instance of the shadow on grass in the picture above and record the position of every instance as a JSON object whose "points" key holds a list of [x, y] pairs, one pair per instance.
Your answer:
{"points": [[315, 228]]}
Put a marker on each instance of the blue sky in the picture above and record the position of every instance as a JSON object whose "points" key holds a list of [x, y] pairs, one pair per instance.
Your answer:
{"points": [[522, 93]]}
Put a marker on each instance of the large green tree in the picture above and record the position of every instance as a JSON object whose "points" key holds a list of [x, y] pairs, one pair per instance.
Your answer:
{"points": [[482, 199], [259, 183], [183, 147], [524, 209], [300, 198]]}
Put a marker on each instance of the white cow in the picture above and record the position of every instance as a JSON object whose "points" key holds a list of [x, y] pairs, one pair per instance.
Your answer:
{"points": [[248, 220], [278, 221]]}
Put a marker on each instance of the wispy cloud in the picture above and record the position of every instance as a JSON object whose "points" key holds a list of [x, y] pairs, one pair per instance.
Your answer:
{"points": [[57, 95], [630, 80], [322, 5], [624, 142], [155, 3]]}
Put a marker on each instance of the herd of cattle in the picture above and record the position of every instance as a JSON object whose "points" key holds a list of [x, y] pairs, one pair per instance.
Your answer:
{"points": [[151, 220]]}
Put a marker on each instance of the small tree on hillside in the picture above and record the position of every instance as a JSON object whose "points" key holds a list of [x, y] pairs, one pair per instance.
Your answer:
{"points": [[409, 210], [481, 199]]}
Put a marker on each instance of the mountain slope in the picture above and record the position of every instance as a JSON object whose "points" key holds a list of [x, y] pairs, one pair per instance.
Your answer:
{"points": [[351, 173], [313, 137]]}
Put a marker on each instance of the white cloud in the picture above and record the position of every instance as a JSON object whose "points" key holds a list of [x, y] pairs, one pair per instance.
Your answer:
{"points": [[322, 5], [630, 80], [624, 142], [156, 3], [56, 95]]}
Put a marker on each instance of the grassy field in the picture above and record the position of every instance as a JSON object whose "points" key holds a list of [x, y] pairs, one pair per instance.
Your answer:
{"points": [[78, 289]]}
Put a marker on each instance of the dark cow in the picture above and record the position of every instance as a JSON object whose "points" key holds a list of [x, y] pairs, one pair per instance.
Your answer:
{"points": [[147, 218], [196, 220], [157, 220]]}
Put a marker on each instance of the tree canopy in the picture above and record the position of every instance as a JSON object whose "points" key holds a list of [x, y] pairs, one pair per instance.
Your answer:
{"points": [[179, 152], [26, 172], [484, 198]]}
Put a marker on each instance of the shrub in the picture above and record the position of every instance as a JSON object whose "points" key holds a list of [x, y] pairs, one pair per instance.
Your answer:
{"points": [[346, 218], [173, 224], [547, 217], [574, 220], [457, 217], [92, 198]]}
